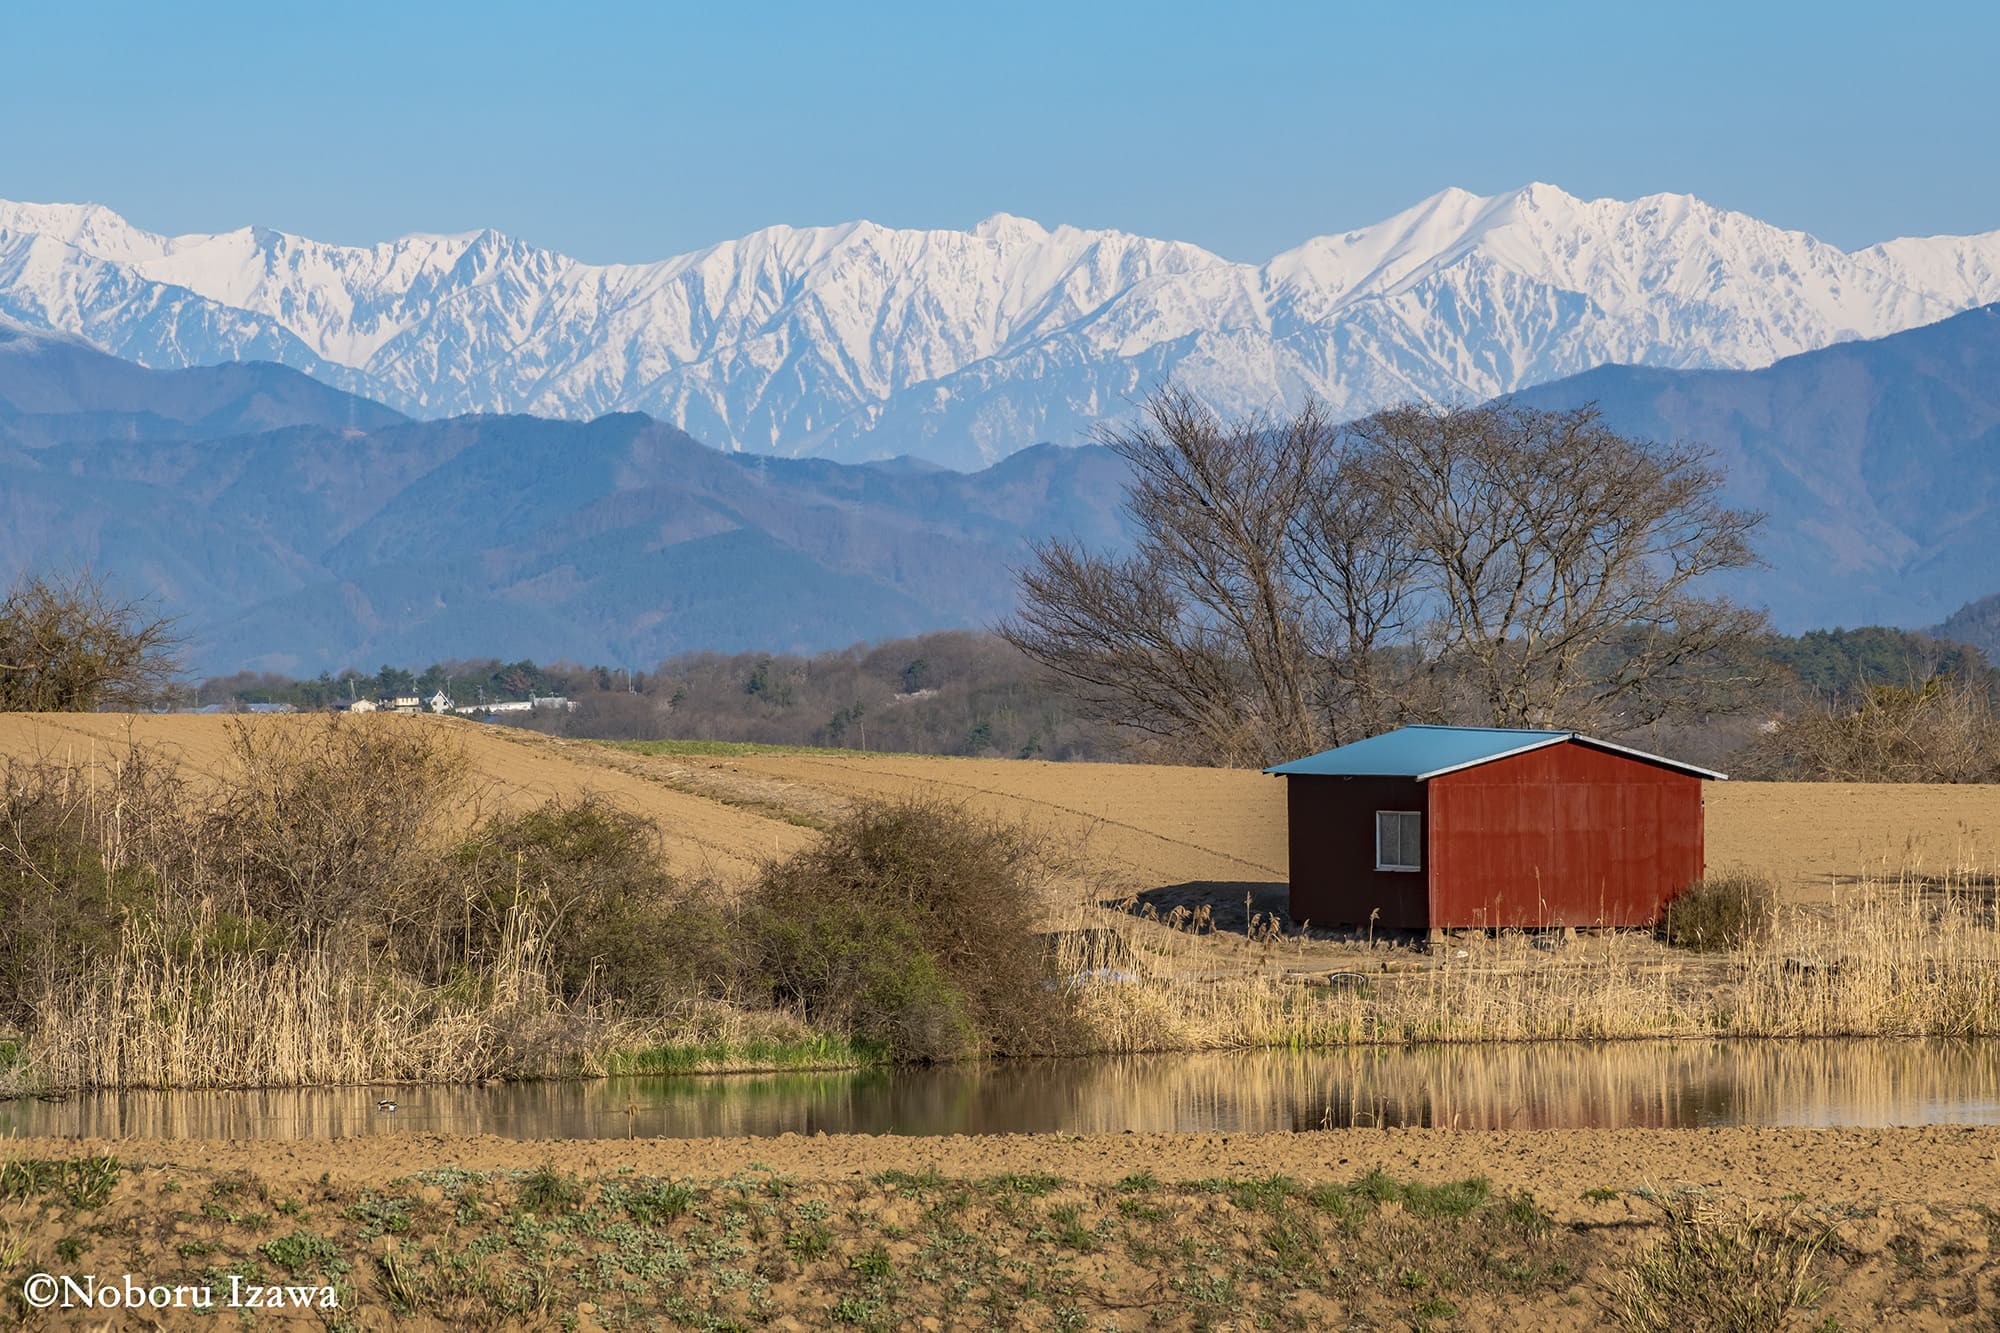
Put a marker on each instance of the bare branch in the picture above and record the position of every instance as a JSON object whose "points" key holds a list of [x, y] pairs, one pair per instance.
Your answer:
{"points": [[67, 645]]}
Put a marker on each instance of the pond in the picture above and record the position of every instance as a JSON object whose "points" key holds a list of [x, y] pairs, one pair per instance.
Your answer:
{"points": [[1528, 1086]]}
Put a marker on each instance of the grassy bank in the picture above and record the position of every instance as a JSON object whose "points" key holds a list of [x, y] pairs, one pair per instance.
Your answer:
{"points": [[541, 1247], [337, 910], [746, 1057]]}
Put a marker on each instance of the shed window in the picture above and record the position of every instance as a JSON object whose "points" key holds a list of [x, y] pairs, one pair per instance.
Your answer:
{"points": [[1399, 840]]}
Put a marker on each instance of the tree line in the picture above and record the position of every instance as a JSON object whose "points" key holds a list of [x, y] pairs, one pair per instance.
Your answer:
{"points": [[953, 692], [466, 682]]}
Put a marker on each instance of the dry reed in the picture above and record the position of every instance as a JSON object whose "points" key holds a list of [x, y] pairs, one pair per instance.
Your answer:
{"points": [[1907, 956], [166, 1014], [199, 991]]}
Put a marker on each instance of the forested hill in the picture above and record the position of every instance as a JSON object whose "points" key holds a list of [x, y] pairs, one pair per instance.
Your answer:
{"points": [[1877, 463]]}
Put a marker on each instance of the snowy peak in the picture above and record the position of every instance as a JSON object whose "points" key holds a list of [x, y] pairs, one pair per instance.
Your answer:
{"points": [[861, 341]]}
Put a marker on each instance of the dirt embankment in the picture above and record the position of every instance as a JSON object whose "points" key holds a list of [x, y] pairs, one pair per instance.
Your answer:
{"points": [[1937, 1164], [1423, 1229]]}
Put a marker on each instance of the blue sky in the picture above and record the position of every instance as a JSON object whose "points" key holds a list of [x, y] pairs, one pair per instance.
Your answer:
{"points": [[629, 132]]}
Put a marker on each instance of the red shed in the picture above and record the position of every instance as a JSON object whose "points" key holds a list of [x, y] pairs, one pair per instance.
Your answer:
{"points": [[1471, 827]]}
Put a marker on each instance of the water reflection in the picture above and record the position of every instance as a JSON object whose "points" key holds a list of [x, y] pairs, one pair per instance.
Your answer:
{"points": [[1547, 1086]]}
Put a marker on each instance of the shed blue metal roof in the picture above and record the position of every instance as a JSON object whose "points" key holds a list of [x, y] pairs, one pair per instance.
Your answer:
{"points": [[1429, 752]]}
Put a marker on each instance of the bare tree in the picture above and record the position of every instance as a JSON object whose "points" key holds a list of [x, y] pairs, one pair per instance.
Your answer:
{"points": [[1202, 639], [1296, 583], [67, 645], [1358, 571], [1558, 561]]}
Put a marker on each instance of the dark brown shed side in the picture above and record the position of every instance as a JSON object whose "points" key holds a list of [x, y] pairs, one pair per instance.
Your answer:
{"points": [[1332, 842]]}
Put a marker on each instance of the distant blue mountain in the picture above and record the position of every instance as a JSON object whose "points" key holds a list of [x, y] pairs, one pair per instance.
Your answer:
{"points": [[1878, 464], [296, 528], [348, 535], [55, 389]]}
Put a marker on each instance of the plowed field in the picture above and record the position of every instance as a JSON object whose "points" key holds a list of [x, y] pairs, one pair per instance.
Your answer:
{"points": [[1136, 828]]}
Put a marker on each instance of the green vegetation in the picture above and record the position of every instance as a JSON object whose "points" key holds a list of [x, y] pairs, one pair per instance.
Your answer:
{"points": [[76, 1182], [465, 682], [911, 927], [504, 1249], [1843, 663], [755, 1056]]}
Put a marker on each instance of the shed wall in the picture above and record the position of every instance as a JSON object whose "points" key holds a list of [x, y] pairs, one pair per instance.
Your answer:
{"points": [[1565, 835], [1332, 837]]}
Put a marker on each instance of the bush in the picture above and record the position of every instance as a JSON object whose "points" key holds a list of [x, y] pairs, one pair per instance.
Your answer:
{"points": [[71, 646], [331, 831], [863, 970], [595, 883], [1721, 913], [912, 925], [59, 898]]}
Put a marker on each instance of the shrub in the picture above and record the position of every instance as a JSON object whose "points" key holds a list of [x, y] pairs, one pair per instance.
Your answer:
{"points": [[1721, 912], [912, 924], [595, 880], [71, 646], [864, 970], [64, 894], [338, 824]]}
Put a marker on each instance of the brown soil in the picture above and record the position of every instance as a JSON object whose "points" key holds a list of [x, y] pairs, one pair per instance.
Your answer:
{"points": [[512, 769], [1885, 1227], [1937, 1164], [1140, 828]]}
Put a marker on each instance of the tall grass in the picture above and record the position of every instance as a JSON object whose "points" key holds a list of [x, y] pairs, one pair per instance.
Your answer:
{"points": [[320, 916], [1903, 957], [160, 1014], [308, 921]]}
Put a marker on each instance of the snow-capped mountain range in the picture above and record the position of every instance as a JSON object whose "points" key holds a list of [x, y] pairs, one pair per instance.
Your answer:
{"points": [[860, 341]]}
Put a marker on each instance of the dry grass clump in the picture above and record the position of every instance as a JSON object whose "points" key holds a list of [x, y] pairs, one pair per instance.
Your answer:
{"points": [[292, 928], [1900, 957], [1734, 1274], [1722, 912], [1503, 990], [160, 1016], [1908, 957]]}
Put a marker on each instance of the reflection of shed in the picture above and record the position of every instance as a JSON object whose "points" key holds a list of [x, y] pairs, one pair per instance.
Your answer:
{"points": [[1468, 827]]}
